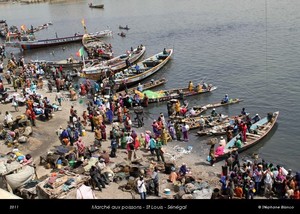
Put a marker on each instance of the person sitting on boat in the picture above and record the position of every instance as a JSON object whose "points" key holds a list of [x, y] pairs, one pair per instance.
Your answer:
{"points": [[204, 86], [225, 99], [137, 68], [214, 113], [192, 112], [202, 123], [199, 88], [165, 51], [140, 87], [191, 86], [238, 142], [256, 118]]}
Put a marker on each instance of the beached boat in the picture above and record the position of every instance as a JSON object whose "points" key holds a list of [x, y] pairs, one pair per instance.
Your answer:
{"points": [[198, 110], [257, 132], [98, 69], [215, 130], [141, 70], [210, 122], [145, 86], [99, 6], [96, 47], [65, 63], [166, 95], [33, 44]]}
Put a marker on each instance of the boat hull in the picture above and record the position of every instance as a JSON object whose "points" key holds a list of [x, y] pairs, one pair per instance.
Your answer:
{"points": [[252, 139], [147, 71], [175, 94], [115, 64]]}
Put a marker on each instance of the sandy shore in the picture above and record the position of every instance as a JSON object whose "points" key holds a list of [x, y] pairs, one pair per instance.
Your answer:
{"points": [[44, 138]]}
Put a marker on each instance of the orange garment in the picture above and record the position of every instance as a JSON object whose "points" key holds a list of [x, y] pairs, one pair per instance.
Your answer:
{"points": [[66, 141], [98, 135], [238, 192], [173, 177]]}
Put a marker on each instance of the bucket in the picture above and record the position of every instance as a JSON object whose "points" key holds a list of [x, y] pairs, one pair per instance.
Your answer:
{"points": [[83, 133], [167, 191], [131, 181]]}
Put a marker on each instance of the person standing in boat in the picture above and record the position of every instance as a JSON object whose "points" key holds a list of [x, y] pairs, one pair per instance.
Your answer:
{"points": [[243, 112], [191, 86], [137, 68], [165, 51]]}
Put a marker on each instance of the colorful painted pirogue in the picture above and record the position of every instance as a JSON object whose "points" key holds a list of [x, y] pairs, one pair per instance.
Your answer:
{"points": [[141, 70], [257, 132], [166, 95]]}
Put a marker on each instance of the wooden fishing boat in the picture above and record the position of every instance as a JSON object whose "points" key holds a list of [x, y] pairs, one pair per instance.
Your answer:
{"points": [[99, 6], [141, 70], [219, 104], [215, 130], [145, 86], [210, 122], [98, 69], [122, 34], [38, 28], [201, 109], [166, 95], [96, 47], [33, 44], [124, 28], [257, 132], [65, 63]]}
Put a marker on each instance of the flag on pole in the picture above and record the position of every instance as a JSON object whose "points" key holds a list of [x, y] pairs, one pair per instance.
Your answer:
{"points": [[80, 52]]}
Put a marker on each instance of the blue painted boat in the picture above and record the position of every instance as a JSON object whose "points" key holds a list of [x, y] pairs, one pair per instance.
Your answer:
{"points": [[257, 132]]}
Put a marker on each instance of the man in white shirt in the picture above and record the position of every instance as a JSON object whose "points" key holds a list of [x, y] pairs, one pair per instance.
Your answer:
{"points": [[141, 187]]}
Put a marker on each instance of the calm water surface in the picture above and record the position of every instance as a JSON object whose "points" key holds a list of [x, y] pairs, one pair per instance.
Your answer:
{"points": [[247, 51]]}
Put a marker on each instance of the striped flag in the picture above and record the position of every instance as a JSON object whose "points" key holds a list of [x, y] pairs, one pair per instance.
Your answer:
{"points": [[80, 52]]}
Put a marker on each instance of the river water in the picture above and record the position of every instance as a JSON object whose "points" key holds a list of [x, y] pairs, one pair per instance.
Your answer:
{"points": [[249, 49]]}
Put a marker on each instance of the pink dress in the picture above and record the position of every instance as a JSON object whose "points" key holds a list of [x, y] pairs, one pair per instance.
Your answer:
{"points": [[219, 151]]}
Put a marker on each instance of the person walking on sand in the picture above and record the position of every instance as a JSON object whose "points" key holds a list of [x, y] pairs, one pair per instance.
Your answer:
{"points": [[155, 179], [185, 128], [141, 187], [212, 155], [158, 150]]}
